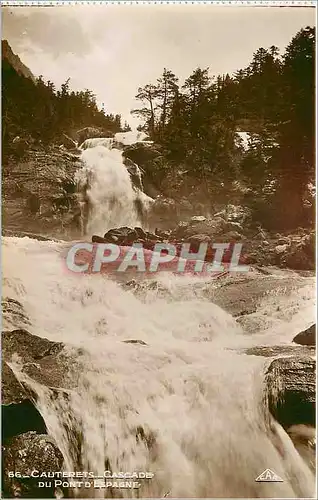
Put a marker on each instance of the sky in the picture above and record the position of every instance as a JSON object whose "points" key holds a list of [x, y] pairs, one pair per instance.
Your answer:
{"points": [[114, 49]]}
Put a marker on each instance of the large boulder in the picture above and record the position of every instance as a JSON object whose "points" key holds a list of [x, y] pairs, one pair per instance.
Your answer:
{"points": [[291, 390], [241, 293], [298, 258], [19, 413], [91, 132], [142, 153], [23, 454], [306, 337], [27, 346], [67, 142], [41, 360], [296, 251], [126, 236], [216, 227]]}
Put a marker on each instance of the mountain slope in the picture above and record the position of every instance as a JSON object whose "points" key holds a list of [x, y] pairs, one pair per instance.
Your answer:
{"points": [[15, 61]]}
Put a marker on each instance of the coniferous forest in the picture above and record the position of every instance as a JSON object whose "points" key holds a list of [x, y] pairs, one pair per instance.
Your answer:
{"points": [[43, 112], [273, 99]]}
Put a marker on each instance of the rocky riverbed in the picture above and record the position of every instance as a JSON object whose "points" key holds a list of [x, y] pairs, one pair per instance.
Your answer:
{"points": [[29, 360]]}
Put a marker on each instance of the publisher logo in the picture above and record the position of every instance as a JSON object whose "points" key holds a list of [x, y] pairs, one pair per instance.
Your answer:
{"points": [[268, 476]]}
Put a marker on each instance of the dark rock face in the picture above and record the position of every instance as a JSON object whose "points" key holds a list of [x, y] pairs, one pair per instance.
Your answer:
{"points": [[301, 254], [135, 173], [141, 153], [307, 337], [26, 453], [303, 437], [18, 418], [146, 156], [14, 313], [39, 358], [12, 390], [291, 390], [26, 445], [91, 133], [67, 142], [39, 192], [29, 347]]}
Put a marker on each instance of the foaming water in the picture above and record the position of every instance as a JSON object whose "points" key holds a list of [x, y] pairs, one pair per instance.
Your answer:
{"points": [[106, 186], [110, 193], [181, 403]]}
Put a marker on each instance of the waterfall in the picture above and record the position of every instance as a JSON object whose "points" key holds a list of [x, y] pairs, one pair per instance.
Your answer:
{"points": [[108, 198]]}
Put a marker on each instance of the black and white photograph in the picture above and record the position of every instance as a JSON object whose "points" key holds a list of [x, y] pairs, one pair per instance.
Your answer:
{"points": [[158, 249]]}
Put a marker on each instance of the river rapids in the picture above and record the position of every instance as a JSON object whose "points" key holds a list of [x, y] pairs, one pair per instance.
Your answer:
{"points": [[184, 403]]}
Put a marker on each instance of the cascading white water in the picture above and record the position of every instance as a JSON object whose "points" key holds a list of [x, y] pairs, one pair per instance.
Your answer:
{"points": [[185, 406], [110, 192], [108, 186]]}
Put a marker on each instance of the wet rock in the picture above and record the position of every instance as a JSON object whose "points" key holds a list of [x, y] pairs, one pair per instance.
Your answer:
{"points": [[291, 390], [126, 236], [44, 361], [14, 313], [279, 350], [135, 341], [240, 294], [12, 391], [304, 439], [120, 234], [134, 172], [29, 347], [18, 416], [91, 133], [23, 454], [149, 159], [99, 239], [307, 337]]}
